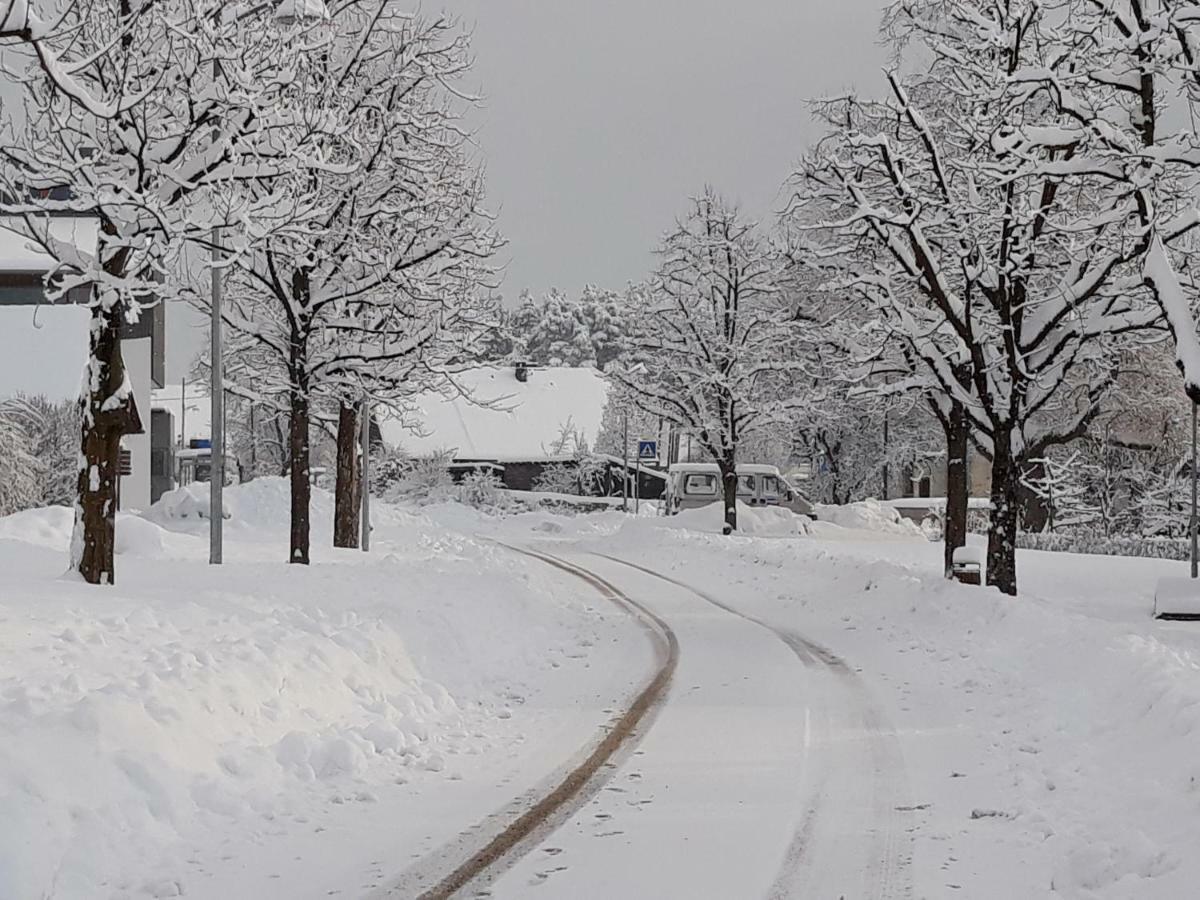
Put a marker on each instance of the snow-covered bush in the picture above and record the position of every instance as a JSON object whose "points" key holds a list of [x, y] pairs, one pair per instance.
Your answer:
{"points": [[407, 480], [1099, 545], [40, 447], [54, 429], [482, 490], [22, 473]]}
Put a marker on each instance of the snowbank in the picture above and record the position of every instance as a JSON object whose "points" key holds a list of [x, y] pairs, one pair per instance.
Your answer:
{"points": [[51, 527], [187, 731], [869, 516], [759, 521]]}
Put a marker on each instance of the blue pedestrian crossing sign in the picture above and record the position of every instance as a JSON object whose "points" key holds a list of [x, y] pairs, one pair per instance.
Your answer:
{"points": [[647, 449]]}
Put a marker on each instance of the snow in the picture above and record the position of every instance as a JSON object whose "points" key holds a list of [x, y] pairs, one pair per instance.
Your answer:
{"points": [[520, 421], [868, 516], [762, 521], [265, 730], [968, 556], [1048, 739], [1177, 597], [189, 505], [51, 528], [43, 350], [1160, 274]]}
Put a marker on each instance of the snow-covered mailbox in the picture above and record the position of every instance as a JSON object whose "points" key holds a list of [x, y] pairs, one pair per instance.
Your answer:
{"points": [[43, 346], [968, 565]]}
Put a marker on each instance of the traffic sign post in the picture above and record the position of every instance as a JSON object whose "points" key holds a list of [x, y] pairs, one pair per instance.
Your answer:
{"points": [[647, 451]]}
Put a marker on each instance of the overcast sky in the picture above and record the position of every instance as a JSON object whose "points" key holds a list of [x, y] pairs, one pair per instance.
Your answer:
{"points": [[601, 119]]}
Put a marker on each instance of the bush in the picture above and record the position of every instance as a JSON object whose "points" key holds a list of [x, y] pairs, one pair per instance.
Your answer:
{"points": [[1099, 545], [401, 479], [483, 490]]}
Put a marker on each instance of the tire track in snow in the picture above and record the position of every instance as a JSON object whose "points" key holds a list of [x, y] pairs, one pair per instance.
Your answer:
{"points": [[505, 836], [823, 860]]}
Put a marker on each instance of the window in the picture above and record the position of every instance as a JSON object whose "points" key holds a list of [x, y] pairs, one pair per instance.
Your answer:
{"points": [[746, 485], [770, 486], [705, 485]]}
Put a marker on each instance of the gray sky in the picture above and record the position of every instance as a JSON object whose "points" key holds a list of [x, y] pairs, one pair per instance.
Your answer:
{"points": [[601, 119]]}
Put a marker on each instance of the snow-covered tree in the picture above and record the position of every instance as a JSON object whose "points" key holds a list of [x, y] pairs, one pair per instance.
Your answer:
{"points": [[366, 283], [135, 134], [1128, 87], [1060, 482], [991, 245], [712, 342], [589, 330]]}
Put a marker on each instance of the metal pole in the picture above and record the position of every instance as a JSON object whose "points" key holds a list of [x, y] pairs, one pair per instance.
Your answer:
{"points": [[1192, 525], [366, 475], [637, 483], [886, 473], [216, 485], [182, 413], [625, 463]]}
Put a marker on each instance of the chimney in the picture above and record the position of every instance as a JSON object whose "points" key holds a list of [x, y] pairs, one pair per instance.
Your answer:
{"points": [[522, 372]]}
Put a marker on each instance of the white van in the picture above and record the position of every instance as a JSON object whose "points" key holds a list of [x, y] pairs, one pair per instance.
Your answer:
{"points": [[692, 485]]}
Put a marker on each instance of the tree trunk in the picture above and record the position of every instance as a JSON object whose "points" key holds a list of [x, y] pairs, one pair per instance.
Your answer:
{"points": [[957, 483], [109, 412], [348, 493], [1006, 510], [299, 469], [728, 467]]}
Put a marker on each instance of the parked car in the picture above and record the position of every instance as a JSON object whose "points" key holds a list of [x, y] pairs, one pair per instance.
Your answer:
{"points": [[692, 485]]}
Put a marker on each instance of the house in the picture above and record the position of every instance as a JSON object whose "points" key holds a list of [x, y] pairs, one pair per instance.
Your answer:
{"points": [[43, 346], [928, 477], [513, 421]]}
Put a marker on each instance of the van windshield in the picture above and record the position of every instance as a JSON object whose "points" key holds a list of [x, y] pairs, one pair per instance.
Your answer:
{"points": [[745, 484]]}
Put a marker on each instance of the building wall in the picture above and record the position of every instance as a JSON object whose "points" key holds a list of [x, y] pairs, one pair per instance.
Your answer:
{"points": [[135, 488], [979, 477]]}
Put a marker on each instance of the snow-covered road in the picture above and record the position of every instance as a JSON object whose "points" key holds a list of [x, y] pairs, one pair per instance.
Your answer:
{"points": [[768, 771], [841, 721]]}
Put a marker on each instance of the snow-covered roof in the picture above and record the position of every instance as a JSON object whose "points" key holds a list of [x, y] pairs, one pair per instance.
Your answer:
{"points": [[43, 350], [712, 468], [19, 254], [521, 421], [199, 409]]}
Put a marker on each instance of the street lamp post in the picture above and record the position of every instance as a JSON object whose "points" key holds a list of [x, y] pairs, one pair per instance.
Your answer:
{"points": [[216, 484], [625, 462]]}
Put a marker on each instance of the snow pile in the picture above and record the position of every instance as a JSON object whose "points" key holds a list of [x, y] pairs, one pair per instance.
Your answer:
{"points": [[47, 527], [247, 730], [189, 504], [760, 521], [868, 515], [51, 527]]}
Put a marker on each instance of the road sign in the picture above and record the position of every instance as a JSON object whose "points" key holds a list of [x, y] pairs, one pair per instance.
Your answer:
{"points": [[647, 449]]}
